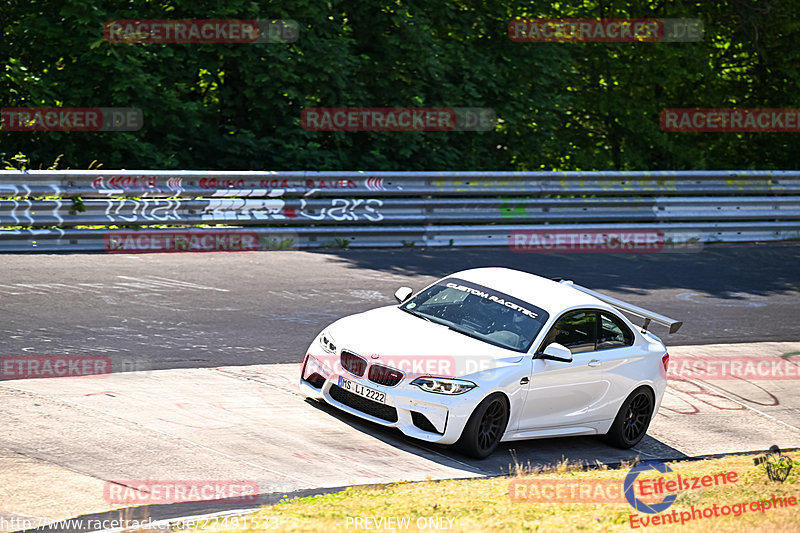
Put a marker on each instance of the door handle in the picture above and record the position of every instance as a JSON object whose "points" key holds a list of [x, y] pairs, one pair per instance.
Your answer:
{"points": [[594, 362], [524, 381]]}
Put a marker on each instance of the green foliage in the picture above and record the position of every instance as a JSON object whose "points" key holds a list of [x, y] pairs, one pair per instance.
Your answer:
{"points": [[561, 106], [337, 242], [77, 205]]}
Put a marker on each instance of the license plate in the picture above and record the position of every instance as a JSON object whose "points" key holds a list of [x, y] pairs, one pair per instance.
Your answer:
{"points": [[361, 390]]}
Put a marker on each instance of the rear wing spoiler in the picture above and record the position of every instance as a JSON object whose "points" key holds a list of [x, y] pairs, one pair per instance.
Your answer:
{"points": [[671, 323]]}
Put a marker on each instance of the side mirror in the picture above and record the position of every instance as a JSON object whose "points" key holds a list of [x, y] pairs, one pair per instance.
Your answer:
{"points": [[556, 352], [403, 293]]}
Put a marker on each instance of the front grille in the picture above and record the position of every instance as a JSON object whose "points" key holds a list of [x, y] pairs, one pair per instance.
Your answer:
{"points": [[422, 422], [359, 403], [315, 380], [383, 375], [353, 363]]}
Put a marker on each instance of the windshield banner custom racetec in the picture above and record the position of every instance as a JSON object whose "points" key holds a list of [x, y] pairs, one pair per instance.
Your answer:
{"points": [[498, 297], [479, 312]]}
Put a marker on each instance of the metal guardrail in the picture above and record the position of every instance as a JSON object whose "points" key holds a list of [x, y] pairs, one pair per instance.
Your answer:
{"points": [[45, 210], [148, 184], [301, 211]]}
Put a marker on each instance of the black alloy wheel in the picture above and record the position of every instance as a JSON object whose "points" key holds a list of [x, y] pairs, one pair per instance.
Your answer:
{"points": [[485, 427], [633, 419]]}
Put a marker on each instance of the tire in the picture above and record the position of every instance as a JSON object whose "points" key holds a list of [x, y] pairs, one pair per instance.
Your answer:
{"points": [[633, 419], [484, 428]]}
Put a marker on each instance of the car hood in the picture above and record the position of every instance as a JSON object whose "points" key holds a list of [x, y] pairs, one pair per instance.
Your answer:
{"points": [[401, 340]]}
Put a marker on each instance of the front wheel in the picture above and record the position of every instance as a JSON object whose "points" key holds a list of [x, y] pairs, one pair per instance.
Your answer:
{"points": [[633, 419], [485, 427]]}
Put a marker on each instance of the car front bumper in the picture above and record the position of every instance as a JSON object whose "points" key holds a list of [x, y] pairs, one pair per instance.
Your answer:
{"points": [[419, 414]]}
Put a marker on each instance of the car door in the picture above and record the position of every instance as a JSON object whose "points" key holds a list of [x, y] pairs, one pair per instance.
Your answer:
{"points": [[567, 394], [614, 350]]}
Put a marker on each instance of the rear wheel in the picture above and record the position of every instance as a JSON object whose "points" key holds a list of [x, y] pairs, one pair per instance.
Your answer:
{"points": [[485, 427], [633, 419]]}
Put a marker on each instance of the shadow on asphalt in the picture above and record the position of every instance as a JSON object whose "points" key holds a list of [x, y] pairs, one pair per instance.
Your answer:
{"points": [[511, 457], [720, 269], [248, 309]]}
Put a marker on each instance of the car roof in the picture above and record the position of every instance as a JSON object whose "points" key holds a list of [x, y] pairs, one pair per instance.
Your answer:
{"points": [[552, 296]]}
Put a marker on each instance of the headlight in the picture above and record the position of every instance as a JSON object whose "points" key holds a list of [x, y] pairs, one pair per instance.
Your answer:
{"points": [[326, 342], [444, 385]]}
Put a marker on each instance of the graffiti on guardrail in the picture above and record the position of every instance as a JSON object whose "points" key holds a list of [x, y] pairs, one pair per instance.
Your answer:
{"points": [[223, 183], [329, 184], [554, 186], [175, 210], [126, 182], [342, 209], [17, 212], [238, 185], [434, 208], [230, 183], [242, 209], [337, 209], [138, 210]]}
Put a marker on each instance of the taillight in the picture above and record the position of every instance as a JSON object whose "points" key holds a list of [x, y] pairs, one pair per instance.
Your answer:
{"points": [[665, 362]]}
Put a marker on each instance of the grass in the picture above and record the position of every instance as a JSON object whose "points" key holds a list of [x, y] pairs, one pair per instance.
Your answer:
{"points": [[486, 505]]}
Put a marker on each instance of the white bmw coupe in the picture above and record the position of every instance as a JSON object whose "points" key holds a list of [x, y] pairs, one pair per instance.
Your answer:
{"points": [[490, 355]]}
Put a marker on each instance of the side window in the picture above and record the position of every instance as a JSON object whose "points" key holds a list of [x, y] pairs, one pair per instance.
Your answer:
{"points": [[613, 333], [575, 330]]}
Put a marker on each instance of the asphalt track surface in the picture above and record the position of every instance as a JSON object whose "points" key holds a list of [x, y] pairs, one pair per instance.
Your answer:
{"points": [[160, 311], [215, 324]]}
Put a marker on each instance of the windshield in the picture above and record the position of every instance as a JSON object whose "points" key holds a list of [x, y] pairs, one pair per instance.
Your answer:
{"points": [[479, 312]]}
